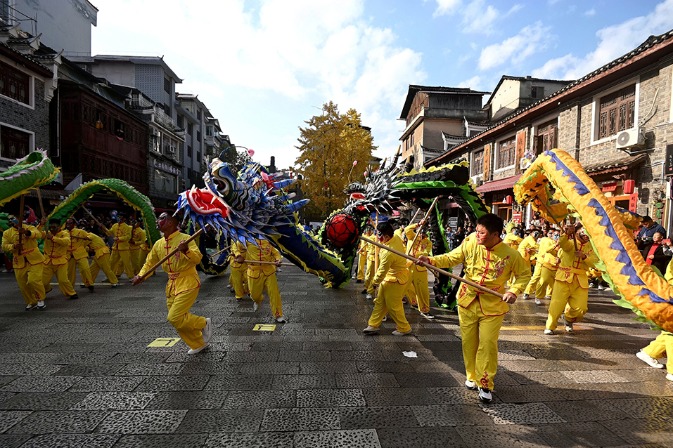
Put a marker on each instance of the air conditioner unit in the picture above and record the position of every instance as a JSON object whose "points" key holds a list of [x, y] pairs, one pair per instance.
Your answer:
{"points": [[630, 138]]}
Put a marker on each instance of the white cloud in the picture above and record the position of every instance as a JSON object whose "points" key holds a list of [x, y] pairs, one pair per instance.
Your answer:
{"points": [[446, 7], [476, 15], [590, 12], [245, 61], [530, 40], [613, 42]]}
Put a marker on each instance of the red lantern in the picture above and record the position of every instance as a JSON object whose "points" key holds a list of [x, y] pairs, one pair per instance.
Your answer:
{"points": [[508, 200], [629, 186]]}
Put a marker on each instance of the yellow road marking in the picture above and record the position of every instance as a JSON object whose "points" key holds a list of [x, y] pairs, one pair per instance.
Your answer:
{"points": [[264, 327], [164, 342]]}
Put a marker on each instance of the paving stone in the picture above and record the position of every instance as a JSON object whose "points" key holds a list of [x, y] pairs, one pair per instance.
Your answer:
{"points": [[5, 396], [449, 415], [41, 384], [497, 436], [377, 417], [416, 379], [207, 368], [107, 383], [72, 441], [88, 370], [138, 358], [452, 395], [329, 398], [395, 396], [89, 359], [638, 431], [589, 410], [250, 440], [328, 367], [29, 358], [161, 441], [29, 369], [31, 401], [579, 434], [150, 369], [428, 437], [47, 422], [360, 380], [593, 376], [262, 399], [301, 356], [10, 418], [384, 366], [297, 419], [211, 399], [268, 368], [364, 438], [14, 441], [285, 382], [240, 382], [142, 422], [522, 414], [114, 400], [170, 383], [7, 379], [234, 420]]}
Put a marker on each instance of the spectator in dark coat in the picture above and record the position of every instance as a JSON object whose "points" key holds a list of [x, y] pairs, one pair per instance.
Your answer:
{"points": [[655, 253]]}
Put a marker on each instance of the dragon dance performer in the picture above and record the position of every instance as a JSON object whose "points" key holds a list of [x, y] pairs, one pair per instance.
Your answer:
{"points": [[528, 248], [362, 256], [101, 259], [28, 261], [372, 255], [138, 246], [262, 276], [183, 283], [491, 263], [417, 291], [547, 264], [79, 256], [392, 276], [239, 276], [571, 285], [56, 246], [121, 247]]}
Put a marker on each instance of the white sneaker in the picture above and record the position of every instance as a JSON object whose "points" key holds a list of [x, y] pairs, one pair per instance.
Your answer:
{"points": [[538, 301], [385, 318], [281, 320], [669, 376], [399, 333], [650, 361], [41, 306], [194, 351], [427, 315], [369, 296], [526, 296], [600, 287], [255, 306], [30, 307], [471, 385], [547, 331], [370, 330], [207, 331], [569, 325], [485, 395]]}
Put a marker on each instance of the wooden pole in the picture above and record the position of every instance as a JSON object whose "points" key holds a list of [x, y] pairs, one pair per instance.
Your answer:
{"points": [[434, 268], [418, 229], [100, 224], [169, 255], [20, 229], [266, 262], [39, 198]]}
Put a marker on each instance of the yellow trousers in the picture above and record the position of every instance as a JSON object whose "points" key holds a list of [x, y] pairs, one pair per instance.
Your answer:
{"points": [[189, 326], [480, 344], [30, 283], [61, 272], [417, 290], [138, 257], [84, 272], [369, 276], [270, 283], [660, 347], [362, 267], [570, 299], [239, 280], [546, 283], [535, 278], [121, 262], [103, 262], [389, 301]]}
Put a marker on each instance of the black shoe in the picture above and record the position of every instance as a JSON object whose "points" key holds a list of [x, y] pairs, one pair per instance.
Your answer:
{"points": [[364, 291], [358, 281], [73, 297], [90, 288], [82, 285]]}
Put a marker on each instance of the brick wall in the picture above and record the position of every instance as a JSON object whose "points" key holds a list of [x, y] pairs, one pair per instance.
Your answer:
{"points": [[27, 119]]}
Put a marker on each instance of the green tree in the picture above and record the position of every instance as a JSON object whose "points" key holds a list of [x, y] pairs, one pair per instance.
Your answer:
{"points": [[328, 146], [235, 158]]}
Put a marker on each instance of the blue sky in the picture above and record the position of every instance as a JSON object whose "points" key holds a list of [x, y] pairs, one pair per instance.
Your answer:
{"points": [[264, 67]]}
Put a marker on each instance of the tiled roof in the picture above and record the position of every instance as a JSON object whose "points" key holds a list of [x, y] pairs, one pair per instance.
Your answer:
{"points": [[616, 165]]}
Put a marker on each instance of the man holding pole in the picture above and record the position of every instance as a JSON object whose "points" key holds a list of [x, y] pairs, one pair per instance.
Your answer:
{"points": [[79, 256], [263, 259], [178, 256], [490, 263]]}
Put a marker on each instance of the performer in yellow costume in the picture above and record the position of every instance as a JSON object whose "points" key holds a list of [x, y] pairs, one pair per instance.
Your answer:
{"points": [[78, 254], [392, 276], [546, 263], [183, 283], [362, 256], [101, 259], [121, 248], [490, 263], [239, 270], [372, 255], [528, 248], [571, 286], [138, 247], [28, 261], [56, 246], [417, 289], [512, 238], [263, 276]]}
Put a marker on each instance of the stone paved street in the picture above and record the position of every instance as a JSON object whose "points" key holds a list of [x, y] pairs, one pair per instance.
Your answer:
{"points": [[81, 374]]}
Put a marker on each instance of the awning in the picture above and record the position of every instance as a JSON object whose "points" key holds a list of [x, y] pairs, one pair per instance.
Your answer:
{"points": [[615, 165], [500, 184]]}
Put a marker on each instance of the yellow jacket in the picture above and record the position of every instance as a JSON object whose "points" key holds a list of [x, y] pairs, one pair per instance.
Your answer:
{"points": [[263, 251], [512, 240], [392, 267], [30, 252], [97, 244], [238, 248], [422, 246], [56, 249], [490, 268], [572, 266], [138, 239], [122, 232], [547, 253], [371, 250], [79, 240], [528, 248], [181, 268]]}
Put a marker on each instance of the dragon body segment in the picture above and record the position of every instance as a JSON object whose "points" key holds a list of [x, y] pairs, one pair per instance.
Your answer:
{"points": [[557, 186], [27, 174]]}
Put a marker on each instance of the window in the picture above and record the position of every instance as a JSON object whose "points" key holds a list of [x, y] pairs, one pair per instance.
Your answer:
{"points": [[14, 144], [189, 151], [546, 137], [537, 92], [616, 111], [167, 85], [477, 165], [190, 129], [198, 136], [198, 114], [14, 84], [181, 121], [506, 153], [198, 156]]}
